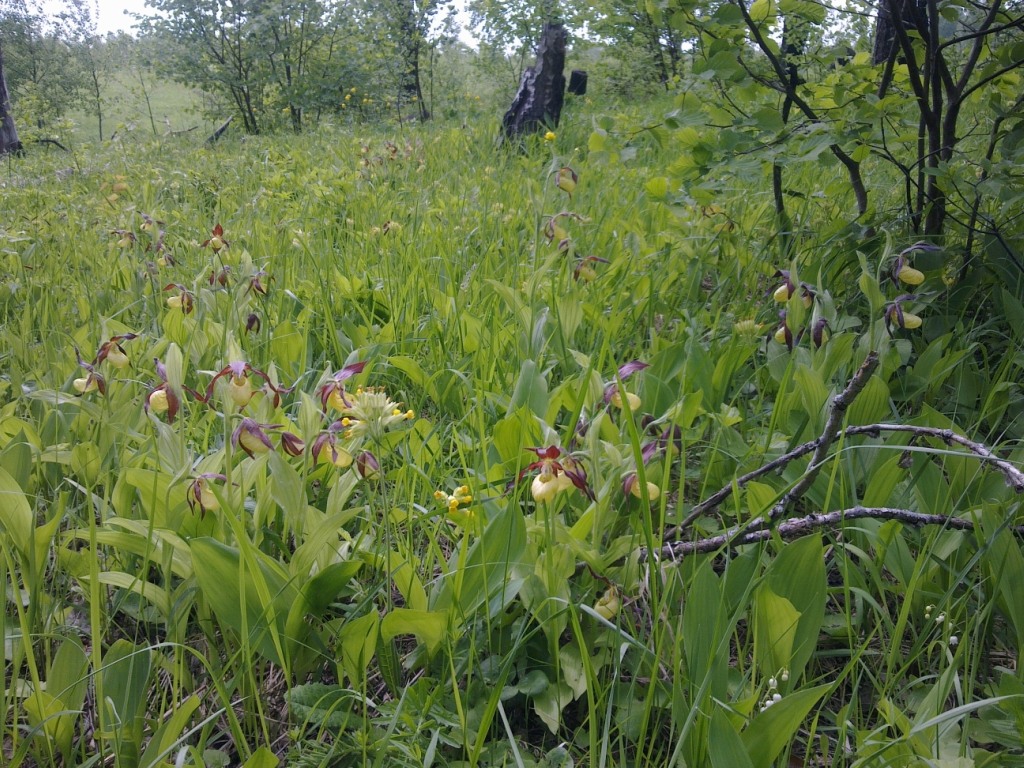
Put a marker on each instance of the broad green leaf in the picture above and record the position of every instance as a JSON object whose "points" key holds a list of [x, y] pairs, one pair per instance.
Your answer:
{"points": [[775, 623], [484, 575], [797, 575], [770, 731], [147, 590], [358, 642], [252, 601], [429, 627], [16, 518], [549, 703], [872, 404], [531, 390], [262, 758], [725, 747], [124, 673], [170, 733]]}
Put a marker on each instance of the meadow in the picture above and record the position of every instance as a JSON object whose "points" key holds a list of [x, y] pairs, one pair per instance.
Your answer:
{"points": [[391, 445]]}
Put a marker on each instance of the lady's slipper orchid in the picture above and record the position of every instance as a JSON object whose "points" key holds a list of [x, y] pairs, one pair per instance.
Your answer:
{"points": [[616, 395], [585, 268], [566, 179], [367, 466], [182, 300], [896, 315], [631, 487], [240, 388], [125, 237], [252, 438], [903, 272], [92, 382], [608, 605], [113, 352], [292, 444], [219, 278], [162, 399], [332, 393], [216, 239], [200, 493], [557, 472], [785, 291], [326, 450]]}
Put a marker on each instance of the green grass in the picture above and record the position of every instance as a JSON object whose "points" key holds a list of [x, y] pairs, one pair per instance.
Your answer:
{"points": [[287, 605]]}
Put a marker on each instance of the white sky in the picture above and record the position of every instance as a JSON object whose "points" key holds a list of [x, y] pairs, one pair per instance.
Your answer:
{"points": [[112, 14]]}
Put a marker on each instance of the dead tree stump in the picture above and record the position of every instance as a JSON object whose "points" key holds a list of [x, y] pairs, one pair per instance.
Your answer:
{"points": [[538, 102], [578, 82]]}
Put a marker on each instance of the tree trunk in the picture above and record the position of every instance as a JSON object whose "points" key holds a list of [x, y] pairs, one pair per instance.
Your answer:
{"points": [[9, 142], [538, 103]]}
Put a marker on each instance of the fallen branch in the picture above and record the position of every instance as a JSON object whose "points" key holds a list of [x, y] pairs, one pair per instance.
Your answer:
{"points": [[220, 131], [796, 527], [762, 527]]}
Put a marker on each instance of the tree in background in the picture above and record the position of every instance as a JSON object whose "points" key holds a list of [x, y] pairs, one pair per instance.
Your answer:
{"points": [[9, 142], [45, 76]]}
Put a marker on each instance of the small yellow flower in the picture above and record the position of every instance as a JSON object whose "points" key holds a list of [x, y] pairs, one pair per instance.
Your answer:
{"points": [[549, 136]]}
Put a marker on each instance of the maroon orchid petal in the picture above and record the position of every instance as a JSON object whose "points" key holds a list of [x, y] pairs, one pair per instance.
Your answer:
{"points": [[292, 444], [578, 476], [628, 369], [161, 369], [550, 452], [349, 370]]}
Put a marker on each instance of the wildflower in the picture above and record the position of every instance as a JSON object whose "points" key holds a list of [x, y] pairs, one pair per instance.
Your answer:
{"points": [[566, 179], [818, 335], [149, 224], [584, 268], [615, 394], [748, 328], [895, 314], [240, 389], [162, 399], [903, 272], [252, 438], [326, 450], [113, 352], [556, 474], [332, 393], [220, 278], [631, 486], [460, 497], [92, 382], [910, 276], [608, 605], [549, 136], [783, 334], [367, 466], [182, 300], [125, 237], [201, 494], [785, 291], [292, 444], [256, 284], [370, 412], [252, 323], [216, 239]]}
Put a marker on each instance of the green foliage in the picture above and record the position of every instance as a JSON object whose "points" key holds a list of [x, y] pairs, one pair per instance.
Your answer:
{"points": [[434, 422]]}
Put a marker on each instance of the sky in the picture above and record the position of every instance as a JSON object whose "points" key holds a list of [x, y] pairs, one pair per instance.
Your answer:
{"points": [[112, 14]]}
